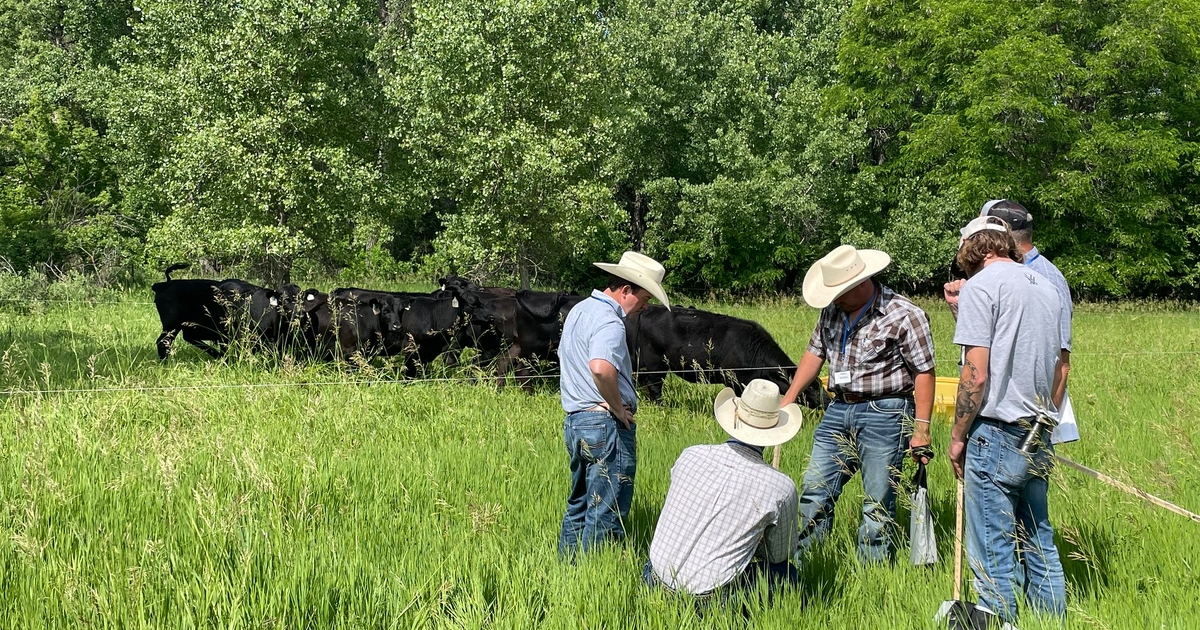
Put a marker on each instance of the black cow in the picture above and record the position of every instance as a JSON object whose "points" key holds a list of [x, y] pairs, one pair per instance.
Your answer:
{"points": [[311, 329], [698, 345], [459, 284], [518, 332], [361, 325], [432, 326], [540, 318], [257, 313], [194, 307]]}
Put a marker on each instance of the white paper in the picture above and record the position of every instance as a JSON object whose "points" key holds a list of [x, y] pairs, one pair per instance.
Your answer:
{"points": [[1067, 430]]}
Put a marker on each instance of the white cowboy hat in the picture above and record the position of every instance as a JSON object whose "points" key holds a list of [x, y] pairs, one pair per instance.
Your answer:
{"points": [[641, 270], [756, 417], [839, 271]]}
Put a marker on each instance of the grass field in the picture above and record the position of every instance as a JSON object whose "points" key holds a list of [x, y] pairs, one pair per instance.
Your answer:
{"points": [[437, 504]]}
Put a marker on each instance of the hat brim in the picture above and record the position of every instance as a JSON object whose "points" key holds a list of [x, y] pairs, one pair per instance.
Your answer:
{"points": [[639, 278], [790, 419], [818, 295]]}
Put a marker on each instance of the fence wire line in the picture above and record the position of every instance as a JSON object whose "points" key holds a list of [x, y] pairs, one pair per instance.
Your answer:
{"points": [[415, 381]]}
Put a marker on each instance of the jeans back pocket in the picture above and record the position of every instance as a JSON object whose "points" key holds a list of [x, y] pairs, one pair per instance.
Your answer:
{"points": [[1016, 468]]}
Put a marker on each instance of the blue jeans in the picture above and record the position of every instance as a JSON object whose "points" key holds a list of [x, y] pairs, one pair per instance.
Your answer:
{"points": [[603, 458], [1010, 543], [871, 436]]}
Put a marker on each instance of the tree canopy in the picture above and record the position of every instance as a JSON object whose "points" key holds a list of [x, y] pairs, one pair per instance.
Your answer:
{"points": [[519, 140]]}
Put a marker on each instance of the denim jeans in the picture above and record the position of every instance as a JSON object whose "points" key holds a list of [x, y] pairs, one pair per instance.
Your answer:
{"points": [[1010, 543], [603, 458], [870, 436]]}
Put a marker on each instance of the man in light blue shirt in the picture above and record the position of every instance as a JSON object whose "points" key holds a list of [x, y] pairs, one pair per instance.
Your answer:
{"points": [[599, 399]]}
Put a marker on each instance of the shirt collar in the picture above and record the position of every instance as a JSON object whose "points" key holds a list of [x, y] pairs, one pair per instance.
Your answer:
{"points": [[603, 297], [749, 447]]}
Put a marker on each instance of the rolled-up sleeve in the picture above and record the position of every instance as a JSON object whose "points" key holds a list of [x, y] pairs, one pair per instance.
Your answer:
{"points": [[916, 344]]}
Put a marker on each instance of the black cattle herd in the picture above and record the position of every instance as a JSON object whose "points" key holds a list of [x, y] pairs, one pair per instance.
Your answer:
{"points": [[510, 330]]}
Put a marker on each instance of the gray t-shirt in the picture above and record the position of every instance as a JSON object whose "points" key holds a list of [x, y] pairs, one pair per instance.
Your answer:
{"points": [[1016, 313]]}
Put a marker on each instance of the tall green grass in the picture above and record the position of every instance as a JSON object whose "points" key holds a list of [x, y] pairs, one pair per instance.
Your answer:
{"points": [[430, 504]]}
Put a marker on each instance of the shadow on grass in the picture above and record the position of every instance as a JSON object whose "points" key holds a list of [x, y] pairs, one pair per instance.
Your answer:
{"points": [[1085, 552]]}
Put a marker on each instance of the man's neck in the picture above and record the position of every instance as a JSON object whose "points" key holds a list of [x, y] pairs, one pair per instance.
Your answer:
{"points": [[1025, 248], [992, 258], [756, 449]]}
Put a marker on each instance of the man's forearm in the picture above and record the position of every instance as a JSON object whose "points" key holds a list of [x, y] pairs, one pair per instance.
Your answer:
{"points": [[809, 368], [1061, 372], [970, 397], [923, 387], [605, 376]]}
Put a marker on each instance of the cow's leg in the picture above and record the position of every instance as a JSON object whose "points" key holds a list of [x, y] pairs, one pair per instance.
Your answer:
{"points": [[164, 342]]}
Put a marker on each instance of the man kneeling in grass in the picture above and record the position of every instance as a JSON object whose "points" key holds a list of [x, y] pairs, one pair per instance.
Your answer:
{"points": [[729, 517]]}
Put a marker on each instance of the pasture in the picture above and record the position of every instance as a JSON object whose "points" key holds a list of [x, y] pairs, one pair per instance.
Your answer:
{"points": [[256, 493]]}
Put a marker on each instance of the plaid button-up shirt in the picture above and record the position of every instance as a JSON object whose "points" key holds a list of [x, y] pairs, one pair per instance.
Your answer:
{"points": [[724, 505], [884, 350]]}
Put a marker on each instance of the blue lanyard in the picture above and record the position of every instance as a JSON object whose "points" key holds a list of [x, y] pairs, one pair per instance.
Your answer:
{"points": [[1030, 260], [846, 329]]}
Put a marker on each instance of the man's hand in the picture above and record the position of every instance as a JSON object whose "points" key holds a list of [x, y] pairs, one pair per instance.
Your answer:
{"points": [[918, 445], [809, 368], [950, 291], [958, 455], [624, 415]]}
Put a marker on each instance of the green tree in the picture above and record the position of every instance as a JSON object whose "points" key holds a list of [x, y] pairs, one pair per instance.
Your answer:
{"points": [[255, 131], [56, 191], [741, 178], [1084, 111], [507, 108]]}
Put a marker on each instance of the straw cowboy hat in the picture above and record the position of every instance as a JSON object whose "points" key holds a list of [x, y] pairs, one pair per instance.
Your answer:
{"points": [[839, 271], [641, 270], [756, 418]]}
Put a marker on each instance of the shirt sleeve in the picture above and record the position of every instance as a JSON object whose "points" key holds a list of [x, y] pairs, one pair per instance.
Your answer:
{"points": [[816, 343], [1068, 311], [605, 342], [916, 345], [1064, 325], [976, 318], [783, 536]]}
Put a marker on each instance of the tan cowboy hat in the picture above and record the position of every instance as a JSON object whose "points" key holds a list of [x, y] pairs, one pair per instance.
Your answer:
{"points": [[756, 417], [641, 270], [839, 271]]}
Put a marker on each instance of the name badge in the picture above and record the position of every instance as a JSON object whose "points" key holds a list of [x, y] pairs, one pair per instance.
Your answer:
{"points": [[841, 377]]}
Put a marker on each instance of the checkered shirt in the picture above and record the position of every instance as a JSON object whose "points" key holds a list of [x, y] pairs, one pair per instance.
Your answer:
{"points": [[724, 505], [885, 350]]}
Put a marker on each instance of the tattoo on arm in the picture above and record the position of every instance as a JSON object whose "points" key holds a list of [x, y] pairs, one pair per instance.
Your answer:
{"points": [[969, 399]]}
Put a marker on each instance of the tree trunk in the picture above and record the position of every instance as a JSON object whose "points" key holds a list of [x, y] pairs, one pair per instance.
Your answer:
{"points": [[637, 204], [523, 267]]}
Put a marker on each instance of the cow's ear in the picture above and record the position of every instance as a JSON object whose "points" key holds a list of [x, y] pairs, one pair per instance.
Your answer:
{"points": [[375, 306]]}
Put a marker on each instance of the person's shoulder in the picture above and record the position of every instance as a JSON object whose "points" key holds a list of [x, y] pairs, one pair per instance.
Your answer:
{"points": [[780, 482], [897, 302]]}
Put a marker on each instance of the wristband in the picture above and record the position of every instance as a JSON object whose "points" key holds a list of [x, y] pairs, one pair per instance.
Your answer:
{"points": [[921, 421]]}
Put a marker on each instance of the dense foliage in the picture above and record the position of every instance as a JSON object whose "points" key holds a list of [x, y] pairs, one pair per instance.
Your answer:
{"points": [[736, 141]]}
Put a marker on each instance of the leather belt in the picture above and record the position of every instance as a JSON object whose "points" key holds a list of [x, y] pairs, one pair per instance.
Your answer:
{"points": [[853, 399]]}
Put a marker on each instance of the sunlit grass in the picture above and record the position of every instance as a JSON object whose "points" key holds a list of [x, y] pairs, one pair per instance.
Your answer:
{"points": [[429, 504]]}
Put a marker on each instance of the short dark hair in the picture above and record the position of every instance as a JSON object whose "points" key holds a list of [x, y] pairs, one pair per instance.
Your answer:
{"points": [[1022, 231], [615, 283]]}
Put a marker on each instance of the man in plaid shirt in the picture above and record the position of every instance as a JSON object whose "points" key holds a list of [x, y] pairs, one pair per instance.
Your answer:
{"points": [[880, 354], [729, 517]]}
